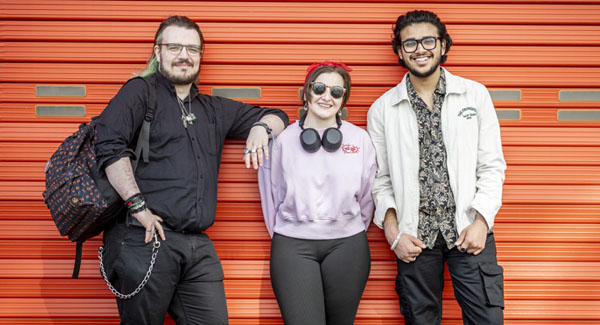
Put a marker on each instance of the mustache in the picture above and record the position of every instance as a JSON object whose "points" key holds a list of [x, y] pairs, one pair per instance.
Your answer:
{"points": [[183, 61]]}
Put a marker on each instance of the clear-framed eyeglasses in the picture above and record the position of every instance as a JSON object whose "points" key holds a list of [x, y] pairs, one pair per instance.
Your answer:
{"points": [[176, 48], [428, 43]]}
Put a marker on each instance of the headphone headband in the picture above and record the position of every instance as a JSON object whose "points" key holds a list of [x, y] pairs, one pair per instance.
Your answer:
{"points": [[311, 141]]}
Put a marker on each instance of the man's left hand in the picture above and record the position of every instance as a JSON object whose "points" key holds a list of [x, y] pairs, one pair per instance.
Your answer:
{"points": [[257, 145], [472, 239]]}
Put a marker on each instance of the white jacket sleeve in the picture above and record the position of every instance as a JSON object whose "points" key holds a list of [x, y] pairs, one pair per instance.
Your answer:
{"points": [[383, 193], [490, 161]]}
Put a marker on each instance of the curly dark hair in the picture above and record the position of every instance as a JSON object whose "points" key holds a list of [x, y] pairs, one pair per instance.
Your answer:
{"points": [[416, 17]]}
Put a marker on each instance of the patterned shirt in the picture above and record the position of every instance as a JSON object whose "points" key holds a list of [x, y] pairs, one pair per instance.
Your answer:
{"points": [[437, 207]]}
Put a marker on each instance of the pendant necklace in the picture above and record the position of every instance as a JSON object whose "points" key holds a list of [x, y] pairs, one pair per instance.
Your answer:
{"points": [[186, 115]]}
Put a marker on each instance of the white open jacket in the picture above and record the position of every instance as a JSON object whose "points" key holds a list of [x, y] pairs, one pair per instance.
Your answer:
{"points": [[471, 135]]}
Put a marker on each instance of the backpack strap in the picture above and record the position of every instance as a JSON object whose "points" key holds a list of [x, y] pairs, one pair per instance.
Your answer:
{"points": [[143, 143], [142, 147], [77, 266]]}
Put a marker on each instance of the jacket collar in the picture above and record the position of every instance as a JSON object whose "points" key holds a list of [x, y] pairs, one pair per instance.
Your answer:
{"points": [[453, 86]]}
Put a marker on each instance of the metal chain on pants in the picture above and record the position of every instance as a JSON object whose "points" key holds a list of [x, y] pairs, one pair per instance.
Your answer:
{"points": [[155, 247]]}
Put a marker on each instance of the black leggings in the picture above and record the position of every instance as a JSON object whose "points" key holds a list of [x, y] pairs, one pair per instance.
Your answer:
{"points": [[319, 281]]}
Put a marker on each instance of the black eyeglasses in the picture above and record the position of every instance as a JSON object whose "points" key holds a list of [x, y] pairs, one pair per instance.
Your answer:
{"points": [[320, 88], [428, 43], [175, 48]]}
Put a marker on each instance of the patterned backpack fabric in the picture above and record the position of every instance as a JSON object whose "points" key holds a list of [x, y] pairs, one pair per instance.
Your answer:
{"points": [[79, 196], [80, 199]]}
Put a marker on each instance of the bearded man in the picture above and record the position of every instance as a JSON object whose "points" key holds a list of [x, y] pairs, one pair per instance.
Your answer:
{"points": [[174, 194]]}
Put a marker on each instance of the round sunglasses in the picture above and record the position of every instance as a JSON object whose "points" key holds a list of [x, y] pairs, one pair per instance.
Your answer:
{"points": [[319, 88]]}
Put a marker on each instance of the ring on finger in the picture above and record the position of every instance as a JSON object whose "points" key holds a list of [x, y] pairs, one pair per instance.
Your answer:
{"points": [[253, 150], [246, 151], [149, 230]]}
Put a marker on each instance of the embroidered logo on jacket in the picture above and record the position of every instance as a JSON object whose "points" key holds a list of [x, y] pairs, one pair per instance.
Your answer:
{"points": [[350, 148], [468, 113]]}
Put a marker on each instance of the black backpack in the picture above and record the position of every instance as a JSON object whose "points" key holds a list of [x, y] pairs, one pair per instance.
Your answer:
{"points": [[79, 196]]}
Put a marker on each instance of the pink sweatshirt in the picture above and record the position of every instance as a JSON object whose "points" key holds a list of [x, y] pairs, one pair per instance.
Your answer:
{"points": [[319, 195]]}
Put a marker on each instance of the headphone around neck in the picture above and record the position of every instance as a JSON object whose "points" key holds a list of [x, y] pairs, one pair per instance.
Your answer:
{"points": [[311, 141]]}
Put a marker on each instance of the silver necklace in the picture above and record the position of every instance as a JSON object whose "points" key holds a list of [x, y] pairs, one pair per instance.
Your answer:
{"points": [[186, 115]]}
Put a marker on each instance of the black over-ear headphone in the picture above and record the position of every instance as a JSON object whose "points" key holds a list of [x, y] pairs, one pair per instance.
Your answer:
{"points": [[311, 141]]}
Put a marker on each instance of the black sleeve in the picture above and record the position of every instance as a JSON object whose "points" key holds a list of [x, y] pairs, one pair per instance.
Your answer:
{"points": [[117, 125], [237, 117]]}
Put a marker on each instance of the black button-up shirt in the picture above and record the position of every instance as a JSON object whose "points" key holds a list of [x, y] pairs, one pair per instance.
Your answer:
{"points": [[179, 182], [437, 208]]}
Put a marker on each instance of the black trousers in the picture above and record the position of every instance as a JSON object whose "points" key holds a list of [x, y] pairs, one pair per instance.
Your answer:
{"points": [[477, 280], [319, 282], [186, 282]]}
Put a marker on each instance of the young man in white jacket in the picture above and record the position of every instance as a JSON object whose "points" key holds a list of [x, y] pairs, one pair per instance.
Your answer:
{"points": [[439, 183]]}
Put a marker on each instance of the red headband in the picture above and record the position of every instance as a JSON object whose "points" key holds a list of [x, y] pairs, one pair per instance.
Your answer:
{"points": [[315, 66]]}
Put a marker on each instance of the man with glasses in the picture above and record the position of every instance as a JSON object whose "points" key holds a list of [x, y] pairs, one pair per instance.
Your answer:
{"points": [[173, 195], [439, 183]]}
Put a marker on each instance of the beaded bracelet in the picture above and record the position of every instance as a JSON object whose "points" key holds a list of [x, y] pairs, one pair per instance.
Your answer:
{"points": [[134, 199], [138, 209], [136, 203]]}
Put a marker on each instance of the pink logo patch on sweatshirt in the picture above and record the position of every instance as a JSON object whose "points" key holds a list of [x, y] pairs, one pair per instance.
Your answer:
{"points": [[350, 148]]}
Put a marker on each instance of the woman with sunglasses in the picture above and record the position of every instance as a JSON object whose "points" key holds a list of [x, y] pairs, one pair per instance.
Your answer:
{"points": [[316, 199]]}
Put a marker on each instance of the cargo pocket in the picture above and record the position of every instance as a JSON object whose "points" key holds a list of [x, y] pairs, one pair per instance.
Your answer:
{"points": [[492, 276]]}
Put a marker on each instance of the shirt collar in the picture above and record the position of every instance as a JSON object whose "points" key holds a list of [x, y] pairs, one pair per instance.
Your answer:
{"points": [[451, 86], [440, 88]]}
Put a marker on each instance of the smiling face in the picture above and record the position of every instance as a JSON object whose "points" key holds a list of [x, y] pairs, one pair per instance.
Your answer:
{"points": [[421, 63], [323, 108], [181, 68]]}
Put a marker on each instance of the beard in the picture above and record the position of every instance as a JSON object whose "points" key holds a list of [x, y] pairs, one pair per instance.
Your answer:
{"points": [[423, 74], [178, 79], [418, 74]]}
